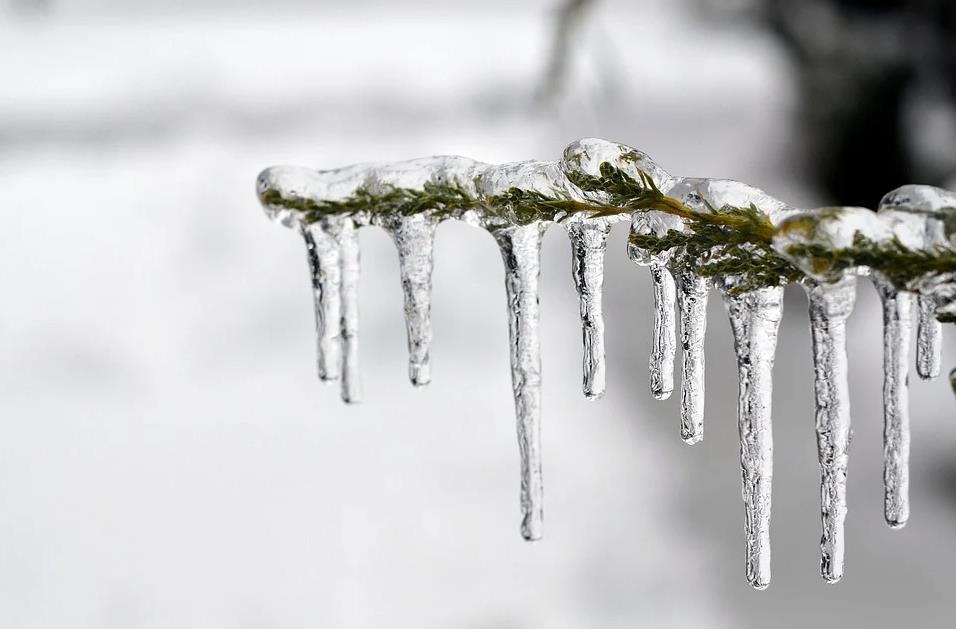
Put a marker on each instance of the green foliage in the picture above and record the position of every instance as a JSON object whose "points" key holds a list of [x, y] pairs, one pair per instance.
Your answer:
{"points": [[725, 242], [902, 266]]}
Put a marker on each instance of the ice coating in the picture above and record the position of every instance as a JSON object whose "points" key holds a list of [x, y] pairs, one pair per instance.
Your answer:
{"points": [[692, 293], [588, 154], [833, 228], [521, 250], [588, 245], [897, 326], [830, 306], [754, 320], [516, 202], [664, 346], [931, 214], [704, 195], [414, 237]]}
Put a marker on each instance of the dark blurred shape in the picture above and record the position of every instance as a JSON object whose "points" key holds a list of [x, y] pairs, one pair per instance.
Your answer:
{"points": [[570, 15], [31, 7], [862, 64]]}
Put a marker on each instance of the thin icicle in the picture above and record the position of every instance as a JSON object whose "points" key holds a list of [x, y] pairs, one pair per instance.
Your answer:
{"points": [[521, 251], [830, 306], [664, 345], [897, 325], [349, 255], [692, 296], [929, 340], [414, 237], [325, 270], [755, 320], [588, 244]]}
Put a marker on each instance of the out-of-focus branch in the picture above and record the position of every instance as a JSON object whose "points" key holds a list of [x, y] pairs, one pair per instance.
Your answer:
{"points": [[570, 15]]}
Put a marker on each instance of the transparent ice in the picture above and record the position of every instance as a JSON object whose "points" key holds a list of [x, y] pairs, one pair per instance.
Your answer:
{"points": [[920, 217]]}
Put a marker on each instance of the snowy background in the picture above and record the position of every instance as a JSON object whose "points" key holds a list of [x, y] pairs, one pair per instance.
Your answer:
{"points": [[167, 456]]}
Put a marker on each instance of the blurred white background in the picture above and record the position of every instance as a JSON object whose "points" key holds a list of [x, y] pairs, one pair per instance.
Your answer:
{"points": [[167, 456]]}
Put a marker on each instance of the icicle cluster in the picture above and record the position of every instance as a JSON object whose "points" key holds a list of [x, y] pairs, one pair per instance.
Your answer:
{"points": [[693, 234]]}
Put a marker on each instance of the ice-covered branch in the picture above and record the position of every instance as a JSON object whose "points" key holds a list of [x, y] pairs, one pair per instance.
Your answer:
{"points": [[693, 234]]}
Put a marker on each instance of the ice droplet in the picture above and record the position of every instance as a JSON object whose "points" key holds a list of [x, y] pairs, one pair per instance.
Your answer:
{"points": [[326, 274], [588, 245], [664, 346], [692, 294], [897, 324], [521, 252], [929, 340], [414, 237], [755, 319], [830, 306]]}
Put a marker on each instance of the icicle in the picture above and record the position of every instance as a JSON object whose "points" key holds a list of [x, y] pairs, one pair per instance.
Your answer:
{"points": [[414, 237], [665, 330], [521, 249], [929, 340], [692, 302], [349, 255], [755, 319], [588, 244], [325, 269], [897, 323], [830, 306]]}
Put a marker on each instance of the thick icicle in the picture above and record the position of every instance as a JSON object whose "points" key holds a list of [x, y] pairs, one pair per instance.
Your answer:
{"points": [[349, 255], [664, 345], [414, 237], [521, 249], [692, 303], [755, 320], [588, 244], [325, 268], [897, 324], [830, 306], [929, 340]]}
